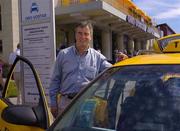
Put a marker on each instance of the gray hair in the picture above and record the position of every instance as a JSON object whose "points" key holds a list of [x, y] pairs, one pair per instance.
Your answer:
{"points": [[84, 24], [18, 46]]}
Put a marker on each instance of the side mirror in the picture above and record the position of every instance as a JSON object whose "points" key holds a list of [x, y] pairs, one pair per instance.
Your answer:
{"points": [[20, 115]]}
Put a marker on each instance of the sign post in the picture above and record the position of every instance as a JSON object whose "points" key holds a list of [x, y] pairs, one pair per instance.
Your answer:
{"points": [[37, 23]]}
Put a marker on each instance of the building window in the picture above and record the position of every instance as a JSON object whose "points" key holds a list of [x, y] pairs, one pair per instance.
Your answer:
{"points": [[1, 46]]}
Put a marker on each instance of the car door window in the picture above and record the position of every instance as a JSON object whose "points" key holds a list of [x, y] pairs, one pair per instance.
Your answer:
{"points": [[31, 102], [16, 92]]}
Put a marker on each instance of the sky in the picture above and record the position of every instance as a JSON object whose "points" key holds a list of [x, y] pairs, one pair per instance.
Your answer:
{"points": [[162, 11]]}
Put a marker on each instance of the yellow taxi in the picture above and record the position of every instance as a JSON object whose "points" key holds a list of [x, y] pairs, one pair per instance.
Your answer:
{"points": [[138, 94]]}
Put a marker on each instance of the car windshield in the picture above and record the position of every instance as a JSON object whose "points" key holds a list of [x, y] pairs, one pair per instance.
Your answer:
{"points": [[128, 98]]}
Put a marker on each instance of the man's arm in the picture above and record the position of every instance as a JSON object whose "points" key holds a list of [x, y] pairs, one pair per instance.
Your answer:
{"points": [[105, 64], [1, 80], [12, 57], [55, 85]]}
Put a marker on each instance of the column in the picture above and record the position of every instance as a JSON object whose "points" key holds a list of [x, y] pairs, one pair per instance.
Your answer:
{"points": [[131, 46], [91, 42], [150, 44], [120, 42], [71, 38], [137, 45], [107, 44], [144, 45]]}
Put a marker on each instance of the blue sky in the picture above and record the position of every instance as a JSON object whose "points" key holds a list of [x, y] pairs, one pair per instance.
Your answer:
{"points": [[162, 11]]}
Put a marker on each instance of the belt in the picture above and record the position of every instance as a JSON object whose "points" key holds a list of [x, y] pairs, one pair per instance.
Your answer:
{"points": [[70, 95]]}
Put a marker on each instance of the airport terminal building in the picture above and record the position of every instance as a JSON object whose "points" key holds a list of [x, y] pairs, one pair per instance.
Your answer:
{"points": [[119, 25]]}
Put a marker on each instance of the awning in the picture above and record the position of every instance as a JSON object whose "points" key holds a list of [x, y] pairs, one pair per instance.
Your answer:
{"points": [[104, 16]]}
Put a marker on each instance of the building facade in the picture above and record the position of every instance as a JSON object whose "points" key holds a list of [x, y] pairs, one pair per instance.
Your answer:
{"points": [[9, 27], [118, 25], [165, 29]]}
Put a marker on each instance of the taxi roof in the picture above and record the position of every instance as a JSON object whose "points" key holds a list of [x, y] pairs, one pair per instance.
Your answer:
{"points": [[168, 58], [170, 43], [169, 36]]}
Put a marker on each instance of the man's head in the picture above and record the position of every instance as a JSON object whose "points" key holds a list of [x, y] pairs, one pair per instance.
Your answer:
{"points": [[18, 46], [83, 35]]}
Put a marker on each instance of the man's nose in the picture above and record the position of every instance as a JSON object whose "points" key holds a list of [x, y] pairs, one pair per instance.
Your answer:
{"points": [[83, 35]]}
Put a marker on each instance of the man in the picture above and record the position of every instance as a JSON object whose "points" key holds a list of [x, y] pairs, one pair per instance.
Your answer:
{"points": [[16, 73], [75, 67], [1, 76]]}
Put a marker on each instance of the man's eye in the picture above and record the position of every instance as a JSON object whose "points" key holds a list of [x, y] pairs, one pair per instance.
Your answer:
{"points": [[80, 33], [86, 34]]}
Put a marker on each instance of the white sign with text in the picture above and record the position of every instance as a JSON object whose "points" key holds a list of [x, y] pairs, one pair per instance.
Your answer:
{"points": [[38, 44]]}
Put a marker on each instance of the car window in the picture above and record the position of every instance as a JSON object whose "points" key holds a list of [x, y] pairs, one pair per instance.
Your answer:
{"points": [[131, 98], [15, 98], [164, 42], [16, 93]]}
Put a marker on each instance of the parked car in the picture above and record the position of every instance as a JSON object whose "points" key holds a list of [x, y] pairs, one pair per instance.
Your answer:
{"points": [[138, 94]]}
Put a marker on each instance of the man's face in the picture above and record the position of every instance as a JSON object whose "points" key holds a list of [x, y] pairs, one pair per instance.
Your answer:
{"points": [[83, 36]]}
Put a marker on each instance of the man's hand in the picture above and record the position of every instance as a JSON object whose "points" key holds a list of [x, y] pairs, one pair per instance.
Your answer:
{"points": [[123, 56], [54, 111], [120, 56]]}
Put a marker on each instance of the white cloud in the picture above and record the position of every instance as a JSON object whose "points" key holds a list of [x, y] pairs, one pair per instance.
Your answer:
{"points": [[174, 13], [160, 9], [157, 3]]}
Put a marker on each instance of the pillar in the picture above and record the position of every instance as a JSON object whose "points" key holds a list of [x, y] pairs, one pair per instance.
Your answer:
{"points": [[131, 46], [107, 44], [144, 45], [91, 42], [120, 42], [137, 45]]}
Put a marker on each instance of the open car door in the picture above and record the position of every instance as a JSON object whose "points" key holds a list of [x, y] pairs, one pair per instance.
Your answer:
{"points": [[15, 115]]}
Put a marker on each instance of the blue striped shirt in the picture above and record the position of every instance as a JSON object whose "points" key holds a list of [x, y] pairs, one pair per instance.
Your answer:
{"points": [[73, 71]]}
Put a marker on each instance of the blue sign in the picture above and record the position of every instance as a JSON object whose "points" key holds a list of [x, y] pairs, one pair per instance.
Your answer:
{"points": [[34, 8]]}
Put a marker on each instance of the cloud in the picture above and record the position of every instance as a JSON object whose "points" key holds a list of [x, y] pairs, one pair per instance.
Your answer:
{"points": [[155, 4], [151, 7], [173, 13], [160, 9]]}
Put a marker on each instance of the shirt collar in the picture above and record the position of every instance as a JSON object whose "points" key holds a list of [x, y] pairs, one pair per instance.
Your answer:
{"points": [[77, 53]]}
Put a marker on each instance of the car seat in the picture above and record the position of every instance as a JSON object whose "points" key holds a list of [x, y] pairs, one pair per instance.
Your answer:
{"points": [[112, 102], [147, 109]]}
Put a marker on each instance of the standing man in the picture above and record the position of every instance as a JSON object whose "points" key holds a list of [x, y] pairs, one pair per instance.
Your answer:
{"points": [[16, 73], [1, 76], [75, 67]]}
